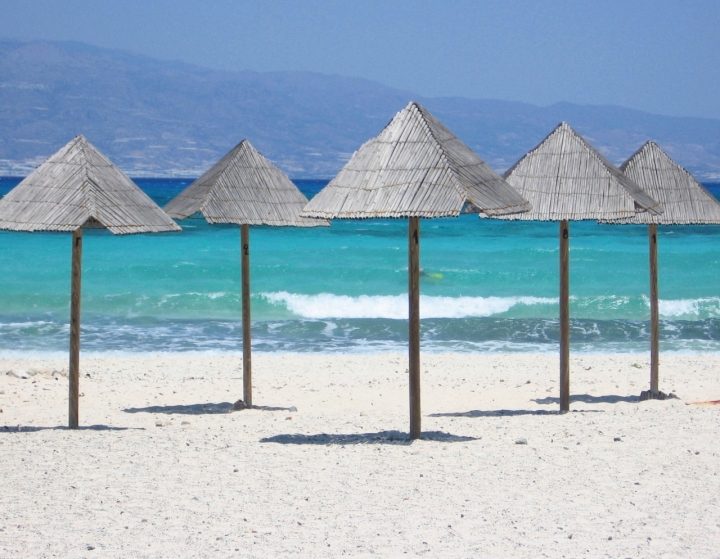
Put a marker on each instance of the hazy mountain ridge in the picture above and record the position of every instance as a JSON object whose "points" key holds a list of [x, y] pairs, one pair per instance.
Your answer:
{"points": [[157, 118]]}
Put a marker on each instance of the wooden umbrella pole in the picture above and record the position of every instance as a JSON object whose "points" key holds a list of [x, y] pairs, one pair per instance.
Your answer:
{"points": [[414, 324], [247, 351], [74, 368], [564, 316], [654, 312]]}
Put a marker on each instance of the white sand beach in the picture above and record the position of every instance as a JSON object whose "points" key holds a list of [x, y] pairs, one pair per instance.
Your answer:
{"points": [[162, 467]]}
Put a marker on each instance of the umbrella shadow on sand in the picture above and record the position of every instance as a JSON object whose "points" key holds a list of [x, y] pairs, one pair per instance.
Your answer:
{"points": [[34, 429], [494, 413], [506, 413], [201, 409], [588, 399], [381, 437]]}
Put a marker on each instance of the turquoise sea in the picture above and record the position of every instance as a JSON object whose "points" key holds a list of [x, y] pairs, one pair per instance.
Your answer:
{"points": [[486, 286]]}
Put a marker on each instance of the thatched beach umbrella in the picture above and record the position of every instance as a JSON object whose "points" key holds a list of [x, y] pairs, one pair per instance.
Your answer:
{"points": [[79, 188], [414, 168], [685, 201], [246, 189], [566, 179]]}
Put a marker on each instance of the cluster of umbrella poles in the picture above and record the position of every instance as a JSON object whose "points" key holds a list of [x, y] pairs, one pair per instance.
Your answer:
{"points": [[415, 168]]}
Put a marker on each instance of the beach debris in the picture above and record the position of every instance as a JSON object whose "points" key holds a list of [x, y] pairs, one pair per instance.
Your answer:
{"points": [[17, 374], [636, 365], [288, 418], [521, 441], [706, 403], [185, 423], [90, 548], [160, 424], [650, 395], [239, 405], [617, 440], [292, 409]]}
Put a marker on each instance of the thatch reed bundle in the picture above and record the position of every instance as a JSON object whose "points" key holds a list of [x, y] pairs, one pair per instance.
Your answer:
{"points": [[79, 188], [686, 202], [414, 168], [247, 189], [243, 188], [565, 178]]}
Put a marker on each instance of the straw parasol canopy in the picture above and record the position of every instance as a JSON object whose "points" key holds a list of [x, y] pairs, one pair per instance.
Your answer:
{"points": [[565, 178], [244, 188], [686, 202], [414, 168], [79, 188]]}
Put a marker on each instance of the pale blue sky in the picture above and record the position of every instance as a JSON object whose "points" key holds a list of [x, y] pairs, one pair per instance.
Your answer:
{"points": [[660, 56]]}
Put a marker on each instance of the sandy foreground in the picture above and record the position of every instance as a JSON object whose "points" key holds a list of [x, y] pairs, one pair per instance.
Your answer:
{"points": [[163, 468]]}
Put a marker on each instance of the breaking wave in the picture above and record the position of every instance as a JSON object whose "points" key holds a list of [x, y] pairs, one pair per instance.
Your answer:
{"points": [[328, 305]]}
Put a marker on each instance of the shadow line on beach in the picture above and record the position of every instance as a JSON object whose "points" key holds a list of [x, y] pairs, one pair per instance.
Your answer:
{"points": [[505, 413], [588, 399], [34, 429], [190, 409], [381, 437], [201, 409], [494, 413]]}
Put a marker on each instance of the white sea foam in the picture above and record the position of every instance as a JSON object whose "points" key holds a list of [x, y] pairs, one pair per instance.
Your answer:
{"points": [[328, 305], [703, 307]]}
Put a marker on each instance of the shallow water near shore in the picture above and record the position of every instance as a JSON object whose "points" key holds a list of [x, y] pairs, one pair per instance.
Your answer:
{"points": [[486, 286]]}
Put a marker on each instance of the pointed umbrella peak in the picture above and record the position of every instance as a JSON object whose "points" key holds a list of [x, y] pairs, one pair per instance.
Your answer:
{"points": [[415, 167], [79, 187], [245, 188], [684, 199], [566, 178]]}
